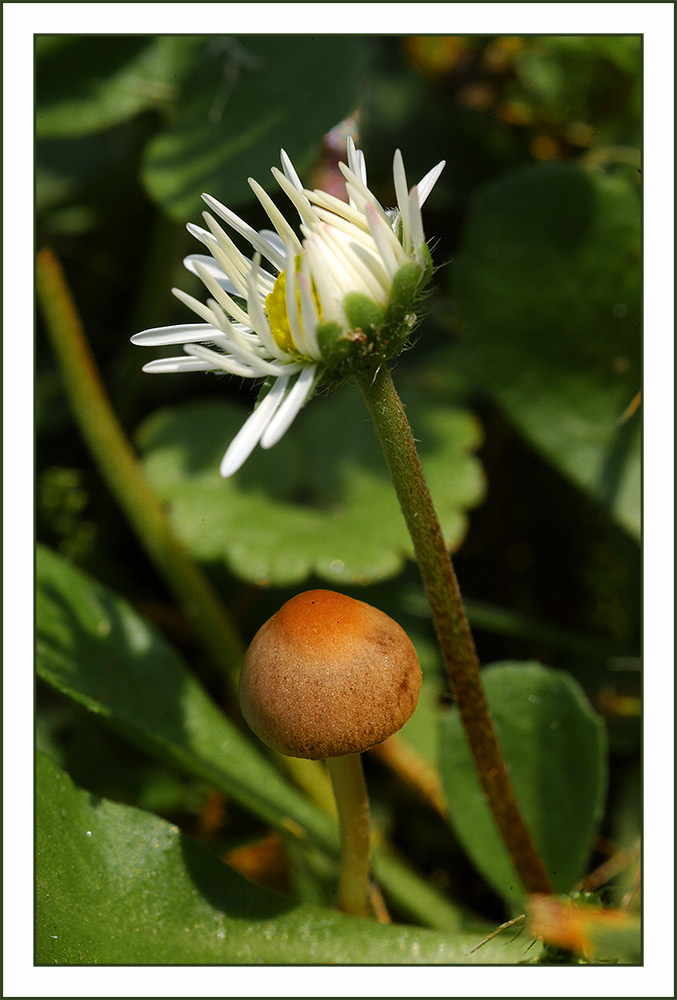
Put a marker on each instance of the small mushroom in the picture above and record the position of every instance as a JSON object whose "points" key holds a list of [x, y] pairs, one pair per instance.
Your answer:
{"points": [[329, 677]]}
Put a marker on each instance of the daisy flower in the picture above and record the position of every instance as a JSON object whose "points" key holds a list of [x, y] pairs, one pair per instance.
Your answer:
{"points": [[307, 308]]}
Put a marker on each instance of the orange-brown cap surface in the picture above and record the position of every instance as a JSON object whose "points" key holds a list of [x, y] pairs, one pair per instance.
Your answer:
{"points": [[328, 676]]}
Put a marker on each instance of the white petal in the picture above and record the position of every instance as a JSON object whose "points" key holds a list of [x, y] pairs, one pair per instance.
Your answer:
{"points": [[372, 264], [284, 233], [360, 192], [402, 194], [224, 301], [385, 240], [173, 365], [356, 160], [289, 171], [336, 207], [235, 311], [416, 222], [298, 200], [289, 407], [249, 435], [352, 273], [367, 269], [246, 364], [232, 262], [186, 333], [309, 316], [212, 268], [241, 227], [258, 315], [201, 234], [330, 296], [337, 273], [427, 183], [235, 264], [292, 306], [215, 317], [219, 362], [275, 239]]}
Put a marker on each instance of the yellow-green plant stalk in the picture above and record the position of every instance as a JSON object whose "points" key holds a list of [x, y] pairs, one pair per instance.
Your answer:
{"points": [[121, 471]]}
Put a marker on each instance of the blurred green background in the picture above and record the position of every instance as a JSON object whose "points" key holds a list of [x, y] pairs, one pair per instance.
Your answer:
{"points": [[523, 386]]}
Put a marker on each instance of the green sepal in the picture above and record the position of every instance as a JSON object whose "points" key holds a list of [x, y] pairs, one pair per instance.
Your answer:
{"points": [[406, 284], [335, 343], [364, 316], [400, 316], [264, 390], [428, 266], [374, 334]]}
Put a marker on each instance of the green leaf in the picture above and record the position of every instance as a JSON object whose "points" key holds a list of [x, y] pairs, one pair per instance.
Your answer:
{"points": [[118, 886], [555, 747], [86, 83], [92, 647], [255, 95], [547, 288], [321, 502]]}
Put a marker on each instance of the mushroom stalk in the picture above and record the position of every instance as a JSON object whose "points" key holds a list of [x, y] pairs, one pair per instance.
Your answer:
{"points": [[352, 801], [326, 678]]}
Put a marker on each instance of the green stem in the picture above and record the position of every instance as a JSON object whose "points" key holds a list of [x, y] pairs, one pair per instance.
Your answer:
{"points": [[350, 790], [451, 623], [120, 469]]}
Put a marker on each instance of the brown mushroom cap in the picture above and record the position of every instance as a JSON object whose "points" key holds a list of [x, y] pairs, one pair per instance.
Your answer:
{"points": [[328, 676]]}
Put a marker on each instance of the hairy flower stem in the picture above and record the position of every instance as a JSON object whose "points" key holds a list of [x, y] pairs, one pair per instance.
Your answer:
{"points": [[451, 623], [347, 778]]}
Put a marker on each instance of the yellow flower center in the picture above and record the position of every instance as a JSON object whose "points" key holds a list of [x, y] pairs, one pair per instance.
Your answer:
{"points": [[276, 309]]}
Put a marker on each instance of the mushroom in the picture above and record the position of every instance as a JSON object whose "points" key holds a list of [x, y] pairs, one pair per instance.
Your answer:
{"points": [[328, 677]]}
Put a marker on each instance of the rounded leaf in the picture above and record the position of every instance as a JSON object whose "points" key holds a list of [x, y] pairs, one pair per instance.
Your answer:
{"points": [[320, 502], [87, 83], [119, 886], [555, 748], [255, 94]]}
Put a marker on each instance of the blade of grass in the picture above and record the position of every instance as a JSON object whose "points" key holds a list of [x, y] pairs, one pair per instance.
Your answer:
{"points": [[120, 469]]}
